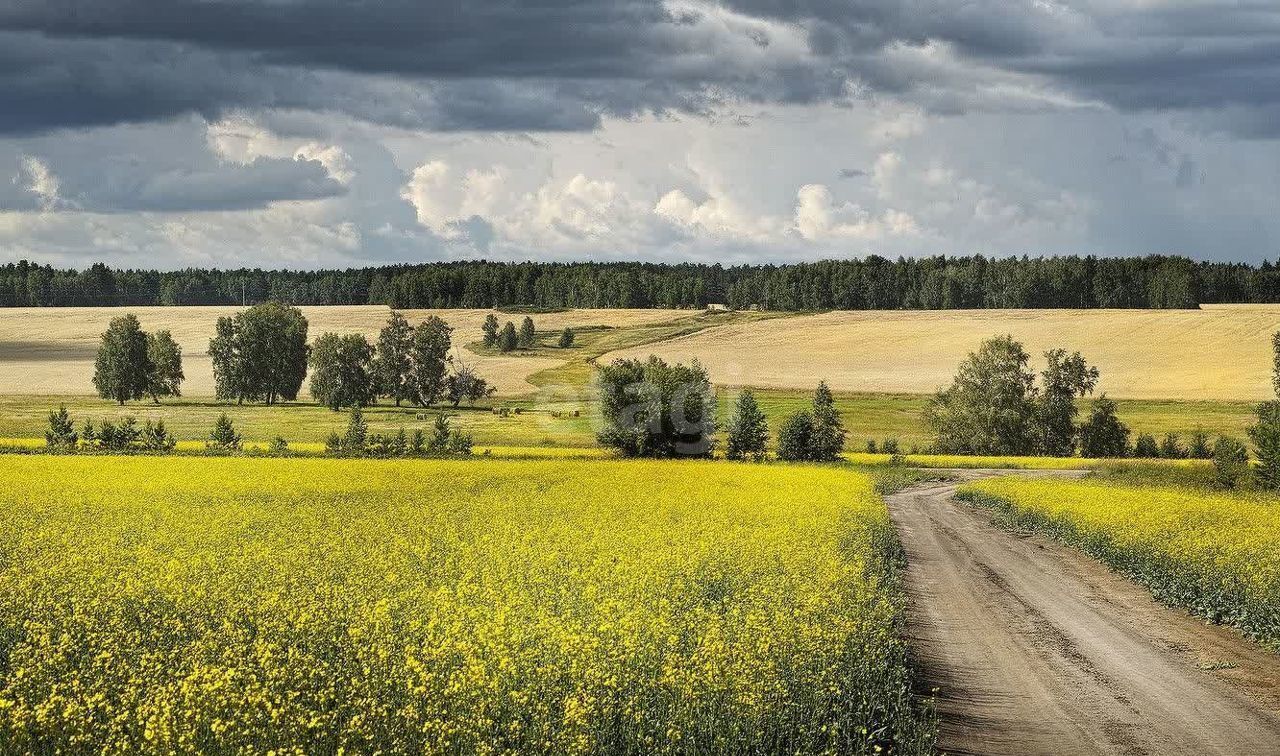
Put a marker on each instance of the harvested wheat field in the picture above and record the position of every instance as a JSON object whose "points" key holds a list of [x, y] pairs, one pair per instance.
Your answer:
{"points": [[1219, 352], [51, 350]]}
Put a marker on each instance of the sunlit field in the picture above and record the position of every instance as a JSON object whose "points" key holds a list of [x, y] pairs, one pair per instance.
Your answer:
{"points": [[1219, 352], [50, 350], [1215, 553], [246, 605]]}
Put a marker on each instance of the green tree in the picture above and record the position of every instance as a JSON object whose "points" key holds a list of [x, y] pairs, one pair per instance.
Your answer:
{"points": [[224, 436], [342, 371], [795, 438], [566, 338], [1103, 435], [465, 383], [1199, 447], [527, 334], [490, 329], [230, 380], [990, 406], [429, 356], [747, 430], [155, 437], [61, 435], [1171, 446], [120, 437], [353, 441], [828, 434], [261, 354], [1230, 462], [507, 339], [652, 409], [165, 378], [393, 365], [1065, 378], [122, 369], [1275, 362], [1265, 435], [1146, 447]]}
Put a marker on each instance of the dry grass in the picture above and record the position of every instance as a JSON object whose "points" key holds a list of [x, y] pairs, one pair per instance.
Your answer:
{"points": [[51, 350], [1220, 352]]}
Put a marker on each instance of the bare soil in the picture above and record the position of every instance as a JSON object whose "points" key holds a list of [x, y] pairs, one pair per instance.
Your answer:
{"points": [[1035, 648]]}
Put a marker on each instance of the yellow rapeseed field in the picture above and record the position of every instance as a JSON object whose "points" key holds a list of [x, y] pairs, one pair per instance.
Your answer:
{"points": [[162, 604], [1216, 554]]}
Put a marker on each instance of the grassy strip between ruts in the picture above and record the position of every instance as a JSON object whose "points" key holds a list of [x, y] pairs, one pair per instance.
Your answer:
{"points": [[1214, 553]]}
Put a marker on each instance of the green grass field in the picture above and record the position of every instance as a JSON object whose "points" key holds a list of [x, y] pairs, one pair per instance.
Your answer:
{"points": [[877, 416]]}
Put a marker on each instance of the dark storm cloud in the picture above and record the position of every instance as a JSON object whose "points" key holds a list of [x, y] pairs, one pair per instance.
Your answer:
{"points": [[561, 64], [154, 168]]}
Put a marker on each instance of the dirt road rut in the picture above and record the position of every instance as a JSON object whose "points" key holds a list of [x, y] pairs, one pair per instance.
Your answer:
{"points": [[1037, 649]]}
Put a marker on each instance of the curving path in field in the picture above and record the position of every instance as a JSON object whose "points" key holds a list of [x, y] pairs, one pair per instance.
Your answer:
{"points": [[1034, 648]]}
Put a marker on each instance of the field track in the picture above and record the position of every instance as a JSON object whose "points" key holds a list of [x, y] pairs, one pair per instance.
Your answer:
{"points": [[1037, 649]]}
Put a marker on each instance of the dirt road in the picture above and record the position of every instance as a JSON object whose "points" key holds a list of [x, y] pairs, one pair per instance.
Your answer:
{"points": [[1037, 649]]}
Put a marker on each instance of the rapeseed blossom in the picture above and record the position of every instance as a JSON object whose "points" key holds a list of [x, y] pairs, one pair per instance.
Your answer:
{"points": [[161, 604], [1217, 554]]}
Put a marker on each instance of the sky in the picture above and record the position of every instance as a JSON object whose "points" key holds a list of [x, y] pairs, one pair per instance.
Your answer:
{"points": [[333, 133]]}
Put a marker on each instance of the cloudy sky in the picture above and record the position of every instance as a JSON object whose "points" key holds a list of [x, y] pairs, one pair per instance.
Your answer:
{"points": [[317, 133]]}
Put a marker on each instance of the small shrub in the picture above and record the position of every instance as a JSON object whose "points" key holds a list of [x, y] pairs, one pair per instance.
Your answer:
{"points": [[61, 435], [1230, 462], [155, 438], [566, 338], [224, 436], [354, 440], [889, 446], [278, 446], [1171, 447], [871, 446], [1199, 447], [794, 438], [120, 437], [440, 437], [1146, 447]]}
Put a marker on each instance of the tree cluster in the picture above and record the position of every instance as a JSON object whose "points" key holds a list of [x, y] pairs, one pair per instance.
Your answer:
{"points": [[132, 364], [652, 409], [406, 364], [873, 282], [994, 406], [813, 435]]}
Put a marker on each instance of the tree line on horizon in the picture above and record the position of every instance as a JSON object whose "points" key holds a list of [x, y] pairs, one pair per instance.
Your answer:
{"points": [[936, 282]]}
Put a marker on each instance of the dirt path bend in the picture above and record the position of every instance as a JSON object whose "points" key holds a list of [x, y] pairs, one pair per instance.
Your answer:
{"points": [[1037, 649]]}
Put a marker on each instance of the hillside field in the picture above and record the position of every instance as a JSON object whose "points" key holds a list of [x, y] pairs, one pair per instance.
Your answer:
{"points": [[1221, 352], [50, 350], [1172, 371], [577, 607]]}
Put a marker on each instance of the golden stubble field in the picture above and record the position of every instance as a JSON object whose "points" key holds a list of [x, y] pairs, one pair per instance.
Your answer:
{"points": [[51, 350], [1219, 352]]}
